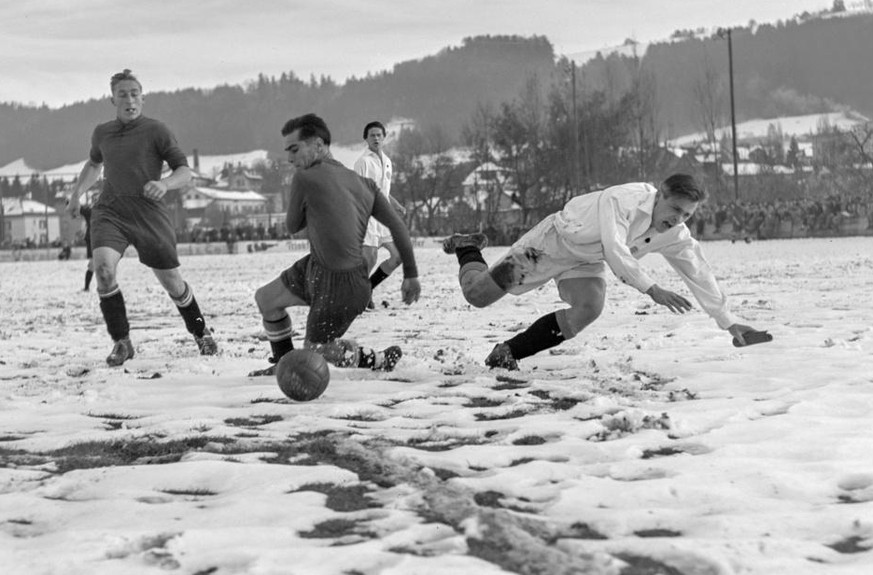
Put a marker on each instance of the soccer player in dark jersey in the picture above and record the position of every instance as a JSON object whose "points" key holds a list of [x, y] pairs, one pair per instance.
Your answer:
{"points": [[333, 204], [132, 150]]}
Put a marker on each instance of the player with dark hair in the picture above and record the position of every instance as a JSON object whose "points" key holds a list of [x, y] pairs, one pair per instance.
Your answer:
{"points": [[375, 164], [333, 204], [132, 150], [613, 227]]}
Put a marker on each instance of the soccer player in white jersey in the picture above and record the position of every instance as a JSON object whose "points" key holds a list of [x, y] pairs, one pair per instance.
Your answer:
{"points": [[614, 227], [375, 164]]}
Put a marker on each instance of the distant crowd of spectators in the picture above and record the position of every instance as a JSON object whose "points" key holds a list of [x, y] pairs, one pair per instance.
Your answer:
{"points": [[785, 218], [240, 232]]}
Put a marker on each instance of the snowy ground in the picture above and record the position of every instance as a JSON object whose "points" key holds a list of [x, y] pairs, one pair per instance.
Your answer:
{"points": [[648, 444]]}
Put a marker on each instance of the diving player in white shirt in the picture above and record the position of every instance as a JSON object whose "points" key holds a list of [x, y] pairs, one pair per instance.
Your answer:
{"points": [[614, 227]]}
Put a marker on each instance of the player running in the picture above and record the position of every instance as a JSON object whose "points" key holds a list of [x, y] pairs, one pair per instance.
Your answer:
{"points": [[130, 211]]}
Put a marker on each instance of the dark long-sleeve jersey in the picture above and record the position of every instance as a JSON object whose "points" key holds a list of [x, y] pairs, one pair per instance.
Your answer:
{"points": [[334, 204]]}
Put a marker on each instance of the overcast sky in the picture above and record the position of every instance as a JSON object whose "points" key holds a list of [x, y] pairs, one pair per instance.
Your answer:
{"points": [[62, 51]]}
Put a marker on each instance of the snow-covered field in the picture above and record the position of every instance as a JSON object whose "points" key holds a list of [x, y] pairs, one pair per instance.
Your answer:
{"points": [[648, 444]]}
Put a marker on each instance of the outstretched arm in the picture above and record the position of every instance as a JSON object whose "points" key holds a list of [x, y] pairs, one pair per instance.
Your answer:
{"points": [[385, 214]]}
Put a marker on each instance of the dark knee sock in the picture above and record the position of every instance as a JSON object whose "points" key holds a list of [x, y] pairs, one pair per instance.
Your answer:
{"points": [[469, 254], [115, 314], [378, 277], [280, 348], [542, 334], [190, 312], [88, 275], [279, 333]]}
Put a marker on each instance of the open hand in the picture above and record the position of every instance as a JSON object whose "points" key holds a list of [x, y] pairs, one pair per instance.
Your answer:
{"points": [[671, 300]]}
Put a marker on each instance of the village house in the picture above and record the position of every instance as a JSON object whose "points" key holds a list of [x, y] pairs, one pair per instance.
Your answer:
{"points": [[28, 222]]}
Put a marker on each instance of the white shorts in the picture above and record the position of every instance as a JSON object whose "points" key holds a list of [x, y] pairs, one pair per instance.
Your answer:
{"points": [[540, 255], [377, 234]]}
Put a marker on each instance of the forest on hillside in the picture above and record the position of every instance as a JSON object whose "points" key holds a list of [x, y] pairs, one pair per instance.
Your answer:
{"points": [[793, 67]]}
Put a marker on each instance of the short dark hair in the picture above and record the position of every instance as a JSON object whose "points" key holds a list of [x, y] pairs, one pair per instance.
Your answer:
{"points": [[374, 125], [683, 185], [125, 74], [310, 126]]}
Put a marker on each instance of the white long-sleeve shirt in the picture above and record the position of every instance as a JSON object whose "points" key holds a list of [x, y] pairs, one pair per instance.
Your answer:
{"points": [[377, 167], [614, 225]]}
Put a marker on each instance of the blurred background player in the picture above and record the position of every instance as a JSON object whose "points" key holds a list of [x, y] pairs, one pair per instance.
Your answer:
{"points": [[132, 149], [375, 164], [85, 212], [334, 205]]}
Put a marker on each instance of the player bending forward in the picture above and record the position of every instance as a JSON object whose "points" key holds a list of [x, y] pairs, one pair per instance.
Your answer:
{"points": [[618, 225], [333, 204]]}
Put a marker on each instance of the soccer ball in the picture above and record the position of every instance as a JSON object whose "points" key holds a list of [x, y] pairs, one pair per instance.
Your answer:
{"points": [[302, 374]]}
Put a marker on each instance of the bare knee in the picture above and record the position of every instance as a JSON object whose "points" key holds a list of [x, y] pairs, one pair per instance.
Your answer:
{"points": [[263, 301], [478, 286], [578, 317], [105, 274]]}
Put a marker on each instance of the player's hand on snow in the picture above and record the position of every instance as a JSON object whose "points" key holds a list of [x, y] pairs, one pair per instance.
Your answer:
{"points": [[155, 190], [410, 289], [745, 335], [671, 300]]}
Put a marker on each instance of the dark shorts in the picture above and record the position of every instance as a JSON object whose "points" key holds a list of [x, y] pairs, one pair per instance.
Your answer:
{"points": [[335, 298], [145, 224]]}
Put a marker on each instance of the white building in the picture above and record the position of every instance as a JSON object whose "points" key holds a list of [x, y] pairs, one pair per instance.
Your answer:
{"points": [[196, 201], [28, 220]]}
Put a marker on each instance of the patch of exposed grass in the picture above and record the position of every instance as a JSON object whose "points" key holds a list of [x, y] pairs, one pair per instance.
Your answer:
{"points": [[253, 421], [580, 530], [564, 403], [435, 443], [657, 533], [521, 461], [530, 440], [189, 492], [118, 416], [91, 454], [638, 565], [661, 452], [444, 474], [509, 383], [483, 402], [850, 545], [336, 528], [515, 413], [488, 498], [343, 498]]}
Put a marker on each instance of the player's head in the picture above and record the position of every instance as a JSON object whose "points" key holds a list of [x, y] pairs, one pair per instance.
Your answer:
{"points": [[126, 95], [685, 186], [678, 198], [374, 134], [307, 139]]}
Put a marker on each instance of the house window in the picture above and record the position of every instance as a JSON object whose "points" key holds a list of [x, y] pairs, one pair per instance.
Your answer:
{"points": [[42, 224]]}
